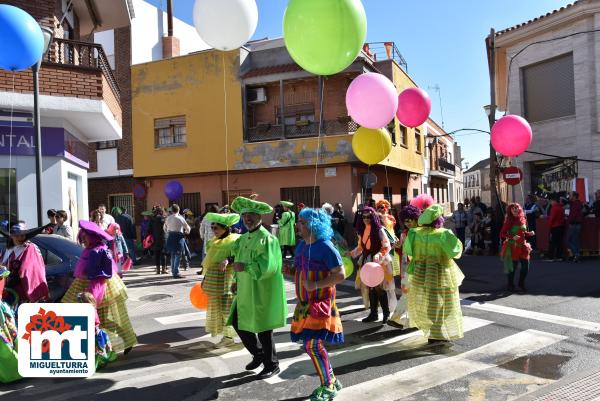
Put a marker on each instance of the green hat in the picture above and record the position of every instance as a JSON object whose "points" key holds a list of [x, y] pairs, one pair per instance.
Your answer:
{"points": [[147, 213], [244, 205], [286, 204], [116, 210], [431, 214], [225, 219]]}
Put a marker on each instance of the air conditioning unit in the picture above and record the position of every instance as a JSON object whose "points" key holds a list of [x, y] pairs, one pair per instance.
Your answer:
{"points": [[256, 95]]}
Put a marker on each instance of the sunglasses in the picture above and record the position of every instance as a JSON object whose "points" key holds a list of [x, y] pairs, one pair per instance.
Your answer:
{"points": [[367, 217]]}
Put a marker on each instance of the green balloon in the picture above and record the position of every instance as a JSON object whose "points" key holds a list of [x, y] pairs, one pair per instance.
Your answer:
{"points": [[324, 36], [348, 266]]}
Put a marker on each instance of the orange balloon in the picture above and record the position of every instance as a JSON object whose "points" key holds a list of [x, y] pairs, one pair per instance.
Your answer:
{"points": [[198, 297]]}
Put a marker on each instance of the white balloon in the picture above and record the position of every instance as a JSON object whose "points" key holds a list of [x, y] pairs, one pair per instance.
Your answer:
{"points": [[225, 24]]}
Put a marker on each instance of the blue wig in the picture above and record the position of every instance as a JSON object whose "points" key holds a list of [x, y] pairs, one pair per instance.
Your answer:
{"points": [[318, 222]]}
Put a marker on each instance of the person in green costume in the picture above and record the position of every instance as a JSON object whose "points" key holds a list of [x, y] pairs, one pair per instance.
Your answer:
{"points": [[287, 229], [218, 276], [260, 305], [434, 278]]}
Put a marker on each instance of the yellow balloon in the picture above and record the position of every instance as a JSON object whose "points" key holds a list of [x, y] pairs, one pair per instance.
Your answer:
{"points": [[371, 145]]}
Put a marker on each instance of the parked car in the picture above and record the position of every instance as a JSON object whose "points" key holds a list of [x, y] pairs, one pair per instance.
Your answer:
{"points": [[60, 256]]}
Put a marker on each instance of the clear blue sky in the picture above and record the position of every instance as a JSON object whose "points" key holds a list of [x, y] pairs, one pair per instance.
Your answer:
{"points": [[442, 42]]}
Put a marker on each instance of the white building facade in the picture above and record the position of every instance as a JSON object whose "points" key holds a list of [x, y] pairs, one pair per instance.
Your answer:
{"points": [[555, 85]]}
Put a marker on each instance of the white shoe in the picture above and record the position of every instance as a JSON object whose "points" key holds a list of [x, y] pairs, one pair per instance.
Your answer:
{"points": [[225, 342]]}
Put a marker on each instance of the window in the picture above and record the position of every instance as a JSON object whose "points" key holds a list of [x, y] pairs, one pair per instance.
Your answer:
{"points": [[123, 201], [8, 194], [418, 141], [106, 145], [189, 201], [416, 192], [403, 136], [170, 132], [387, 194], [549, 89], [303, 194]]}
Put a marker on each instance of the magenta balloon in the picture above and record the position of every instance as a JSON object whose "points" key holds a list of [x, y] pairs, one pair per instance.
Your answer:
{"points": [[414, 106], [371, 274], [511, 135], [372, 100]]}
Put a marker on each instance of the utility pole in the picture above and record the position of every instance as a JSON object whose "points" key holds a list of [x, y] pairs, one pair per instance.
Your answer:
{"points": [[491, 53]]}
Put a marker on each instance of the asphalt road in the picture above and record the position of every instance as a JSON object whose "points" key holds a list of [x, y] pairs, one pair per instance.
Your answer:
{"points": [[514, 345]]}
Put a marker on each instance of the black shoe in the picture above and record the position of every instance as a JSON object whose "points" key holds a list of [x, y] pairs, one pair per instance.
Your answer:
{"points": [[373, 317], [432, 341], [255, 363], [385, 318], [127, 350], [268, 372], [510, 288], [522, 288], [178, 276], [395, 325]]}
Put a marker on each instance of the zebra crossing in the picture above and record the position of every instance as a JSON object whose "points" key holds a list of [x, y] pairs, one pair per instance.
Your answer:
{"points": [[414, 367]]}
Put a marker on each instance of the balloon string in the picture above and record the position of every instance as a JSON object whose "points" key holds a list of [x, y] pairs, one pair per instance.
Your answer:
{"points": [[318, 141], [10, 138], [322, 81], [387, 184], [226, 131]]}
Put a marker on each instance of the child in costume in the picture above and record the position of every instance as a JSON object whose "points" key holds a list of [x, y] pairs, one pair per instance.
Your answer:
{"points": [[118, 247], [9, 371], [434, 278], [374, 246], [218, 275], [104, 351], [95, 273], [287, 229], [409, 215], [316, 317], [388, 221], [515, 248]]}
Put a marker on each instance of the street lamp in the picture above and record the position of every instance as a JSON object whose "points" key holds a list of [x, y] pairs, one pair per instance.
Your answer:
{"points": [[48, 35]]}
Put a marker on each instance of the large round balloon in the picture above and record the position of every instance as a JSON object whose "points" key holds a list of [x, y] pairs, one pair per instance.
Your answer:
{"points": [[173, 190], [511, 135], [225, 24], [324, 37], [198, 297], [22, 39], [371, 145], [414, 106], [372, 100], [371, 274]]}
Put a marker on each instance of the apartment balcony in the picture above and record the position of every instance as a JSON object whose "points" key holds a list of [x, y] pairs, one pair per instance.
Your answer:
{"points": [[442, 169], [302, 129], [77, 85]]}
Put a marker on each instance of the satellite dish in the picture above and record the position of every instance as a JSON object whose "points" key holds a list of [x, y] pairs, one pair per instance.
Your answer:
{"points": [[368, 180]]}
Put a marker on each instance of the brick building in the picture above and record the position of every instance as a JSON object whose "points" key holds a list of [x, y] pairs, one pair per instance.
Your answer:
{"points": [[267, 140], [80, 103], [111, 179]]}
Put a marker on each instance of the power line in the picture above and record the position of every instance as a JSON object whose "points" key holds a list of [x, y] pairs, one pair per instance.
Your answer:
{"points": [[527, 151]]}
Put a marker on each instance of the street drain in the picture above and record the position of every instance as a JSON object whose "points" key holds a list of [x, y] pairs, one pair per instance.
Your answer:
{"points": [[592, 337], [155, 297]]}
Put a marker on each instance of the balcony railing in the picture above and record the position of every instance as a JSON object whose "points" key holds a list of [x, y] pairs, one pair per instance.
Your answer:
{"points": [[273, 132], [84, 55]]}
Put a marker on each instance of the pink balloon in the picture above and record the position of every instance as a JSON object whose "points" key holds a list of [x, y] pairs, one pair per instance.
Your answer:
{"points": [[371, 100], [371, 274], [511, 135], [414, 106]]}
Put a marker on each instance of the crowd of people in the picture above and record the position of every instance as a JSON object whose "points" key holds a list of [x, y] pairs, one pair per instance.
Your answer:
{"points": [[242, 259]]}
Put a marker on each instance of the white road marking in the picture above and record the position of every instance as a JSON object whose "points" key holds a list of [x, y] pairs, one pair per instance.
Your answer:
{"points": [[432, 374], [543, 317], [181, 318], [350, 355]]}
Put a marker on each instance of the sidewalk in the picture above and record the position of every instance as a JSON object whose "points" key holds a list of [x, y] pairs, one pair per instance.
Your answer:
{"points": [[584, 386]]}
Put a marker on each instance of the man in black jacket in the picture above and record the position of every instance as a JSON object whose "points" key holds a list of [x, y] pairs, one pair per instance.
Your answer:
{"points": [[125, 221]]}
